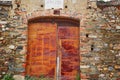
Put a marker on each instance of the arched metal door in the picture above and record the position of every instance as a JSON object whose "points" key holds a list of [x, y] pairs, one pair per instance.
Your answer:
{"points": [[53, 48]]}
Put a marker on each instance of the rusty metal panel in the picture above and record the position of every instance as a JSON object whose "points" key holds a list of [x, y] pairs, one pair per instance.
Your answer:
{"points": [[46, 41], [41, 56], [69, 52]]}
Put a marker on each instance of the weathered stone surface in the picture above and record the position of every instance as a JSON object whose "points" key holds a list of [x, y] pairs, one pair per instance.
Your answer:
{"points": [[18, 77], [99, 41], [12, 47], [92, 36]]}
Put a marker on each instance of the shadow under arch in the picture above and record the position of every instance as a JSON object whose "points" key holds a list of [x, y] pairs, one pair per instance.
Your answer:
{"points": [[57, 19]]}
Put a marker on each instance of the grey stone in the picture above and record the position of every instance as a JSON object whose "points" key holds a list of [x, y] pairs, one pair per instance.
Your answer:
{"points": [[3, 22], [110, 68], [117, 27], [12, 47], [20, 69], [92, 36], [18, 77], [20, 47], [96, 49]]}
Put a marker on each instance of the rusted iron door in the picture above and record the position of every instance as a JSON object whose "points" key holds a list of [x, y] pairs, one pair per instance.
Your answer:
{"points": [[68, 38], [41, 58], [53, 50]]}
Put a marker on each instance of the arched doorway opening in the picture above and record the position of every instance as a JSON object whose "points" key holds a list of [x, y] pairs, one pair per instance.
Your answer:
{"points": [[53, 47]]}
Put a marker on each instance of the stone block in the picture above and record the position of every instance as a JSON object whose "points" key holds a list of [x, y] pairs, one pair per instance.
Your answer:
{"points": [[20, 47], [84, 66], [92, 36], [12, 47], [3, 22], [117, 27], [18, 77]]}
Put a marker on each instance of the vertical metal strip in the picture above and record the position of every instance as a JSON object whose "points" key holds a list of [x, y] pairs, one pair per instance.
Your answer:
{"points": [[57, 54]]}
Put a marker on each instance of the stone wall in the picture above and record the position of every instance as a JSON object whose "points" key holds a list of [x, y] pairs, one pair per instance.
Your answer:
{"points": [[98, 57]]}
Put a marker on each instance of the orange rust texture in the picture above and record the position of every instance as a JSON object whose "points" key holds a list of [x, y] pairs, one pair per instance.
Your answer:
{"points": [[45, 42], [69, 52], [41, 49]]}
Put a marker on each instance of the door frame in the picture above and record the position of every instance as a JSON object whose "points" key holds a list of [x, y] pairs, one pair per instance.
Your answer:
{"points": [[57, 19]]}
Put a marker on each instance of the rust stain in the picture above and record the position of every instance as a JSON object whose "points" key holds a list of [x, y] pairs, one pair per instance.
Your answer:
{"points": [[43, 49], [69, 51], [40, 50]]}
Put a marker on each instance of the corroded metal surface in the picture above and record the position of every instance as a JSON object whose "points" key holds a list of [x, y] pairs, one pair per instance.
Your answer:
{"points": [[46, 42], [42, 49], [69, 52]]}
